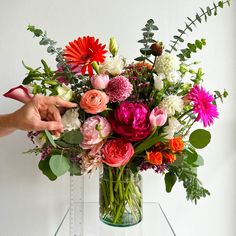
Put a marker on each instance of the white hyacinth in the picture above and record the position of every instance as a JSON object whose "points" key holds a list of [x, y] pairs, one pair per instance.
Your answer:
{"points": [[171, 104], [173, 127], [167, 63], [70, 120]]}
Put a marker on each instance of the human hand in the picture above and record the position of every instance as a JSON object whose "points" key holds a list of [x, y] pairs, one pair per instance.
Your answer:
{"points": [[41, 113]]}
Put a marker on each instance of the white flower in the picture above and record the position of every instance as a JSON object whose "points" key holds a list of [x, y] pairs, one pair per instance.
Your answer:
{"points": [[70, 120], [173, 127], [173, 77], [171, 104], [158, 81], [114, 66], [64, 92], [167, 63]]}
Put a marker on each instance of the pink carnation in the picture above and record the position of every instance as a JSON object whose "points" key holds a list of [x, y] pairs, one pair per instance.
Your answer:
{"points": [[117, 152], [119, 89], [94, 130]]}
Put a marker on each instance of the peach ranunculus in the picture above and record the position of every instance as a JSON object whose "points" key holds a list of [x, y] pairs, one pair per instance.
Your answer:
{"points": [[176, 144], [19, 93], [117, 152], [94, 101]]}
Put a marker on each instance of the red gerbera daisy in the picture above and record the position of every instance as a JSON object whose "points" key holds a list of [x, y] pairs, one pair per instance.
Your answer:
{"points": [[84, 51]]}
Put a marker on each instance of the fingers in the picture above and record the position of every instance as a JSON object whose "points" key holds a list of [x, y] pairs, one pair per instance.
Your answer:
{"points": [[49, 125], [53, 100]]}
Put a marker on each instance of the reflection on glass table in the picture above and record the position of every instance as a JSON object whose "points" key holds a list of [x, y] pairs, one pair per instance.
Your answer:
{"points": [[82, 219]]}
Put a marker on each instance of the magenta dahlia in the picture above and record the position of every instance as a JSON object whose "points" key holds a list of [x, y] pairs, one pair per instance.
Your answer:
{"points": [[202, 105], [119, 89]]}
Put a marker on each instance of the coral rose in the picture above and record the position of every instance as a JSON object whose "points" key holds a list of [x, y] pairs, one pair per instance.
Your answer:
{"points": [[176, 144], [117, 152], [94, 101]]}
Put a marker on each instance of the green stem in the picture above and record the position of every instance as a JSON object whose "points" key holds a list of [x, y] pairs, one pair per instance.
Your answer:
{"points": [[111, 186], [118, 178]]}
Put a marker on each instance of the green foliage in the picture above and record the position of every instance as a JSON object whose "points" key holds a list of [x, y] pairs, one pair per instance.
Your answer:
{"points": [[72, 137], [50, 138], [41, 81], [45, 168], [219, 95], [199, 17], [187, 174], [200, 138], [170, 179], [147, 40], [191, 48], [59, 165]]}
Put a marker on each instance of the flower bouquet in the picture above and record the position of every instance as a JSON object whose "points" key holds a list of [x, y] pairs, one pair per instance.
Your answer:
{"points": [[131, 117]]}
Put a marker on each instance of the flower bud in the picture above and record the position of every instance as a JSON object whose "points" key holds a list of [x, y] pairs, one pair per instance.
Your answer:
{"points": [[99, 81], [95, 66], [113, 48], [157, 48], [158, 117], [64, 92], [158, 82]]}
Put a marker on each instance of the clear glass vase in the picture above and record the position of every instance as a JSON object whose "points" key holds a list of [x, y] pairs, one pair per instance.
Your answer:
{"points": [[120, 196]]}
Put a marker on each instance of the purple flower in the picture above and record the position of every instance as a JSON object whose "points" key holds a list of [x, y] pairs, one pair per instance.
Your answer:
{"points": [[119, 89], [131, 121]]}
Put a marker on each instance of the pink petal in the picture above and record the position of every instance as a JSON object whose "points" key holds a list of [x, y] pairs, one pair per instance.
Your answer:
{"points": [[19, 93]]}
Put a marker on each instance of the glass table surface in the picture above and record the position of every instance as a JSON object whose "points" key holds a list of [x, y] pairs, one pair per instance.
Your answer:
{"points": [[82, 219]]}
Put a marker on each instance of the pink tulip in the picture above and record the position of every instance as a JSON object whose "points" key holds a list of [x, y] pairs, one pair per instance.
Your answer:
{"points": [[99, 81], [19, 93], [158, 117]]}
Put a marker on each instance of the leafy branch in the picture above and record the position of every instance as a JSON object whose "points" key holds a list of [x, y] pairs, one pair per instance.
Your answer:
{"points": [[147, 40], [209, 11]]}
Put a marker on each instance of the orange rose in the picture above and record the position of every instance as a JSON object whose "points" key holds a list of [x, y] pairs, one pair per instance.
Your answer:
{"points": [[140, 65], [94, 101], [170, 158], [176, 144], [154, 158]]}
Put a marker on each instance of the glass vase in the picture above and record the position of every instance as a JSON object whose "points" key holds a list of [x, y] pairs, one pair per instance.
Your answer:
{"points": [[120, 196]]}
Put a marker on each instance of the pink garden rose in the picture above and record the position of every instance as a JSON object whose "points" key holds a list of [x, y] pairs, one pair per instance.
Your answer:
{"points": [[117, 152], [19, 93], [99, 81], [94, 101], [131, 121], [94, 130], [158, 117]]}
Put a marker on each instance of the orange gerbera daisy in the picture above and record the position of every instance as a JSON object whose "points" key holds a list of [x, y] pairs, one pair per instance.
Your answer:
{"points": [[83, 51]]}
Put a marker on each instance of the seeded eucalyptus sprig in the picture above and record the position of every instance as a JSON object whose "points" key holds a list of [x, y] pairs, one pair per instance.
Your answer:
{"points": [[147, 40], [209, 11]]}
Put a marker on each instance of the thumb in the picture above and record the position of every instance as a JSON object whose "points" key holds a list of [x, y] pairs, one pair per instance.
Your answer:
{"points": [[49, 125]]}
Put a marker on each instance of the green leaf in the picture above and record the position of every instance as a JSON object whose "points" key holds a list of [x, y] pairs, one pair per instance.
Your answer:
{"points": [[170, 179], [205, 15], [27, 80], [209, 11], [199, 161], [59, 165], [73, 137], [45, 168], [198, 43], [50, 138], [188, 27], [140, 58], [181, 31], [192, 47], [179, 38], [198, 18], [221, 4], [200, 138], [75, 169]]}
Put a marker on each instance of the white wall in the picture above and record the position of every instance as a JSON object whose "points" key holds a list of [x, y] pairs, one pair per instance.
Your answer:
{"points": [[30, 205]]}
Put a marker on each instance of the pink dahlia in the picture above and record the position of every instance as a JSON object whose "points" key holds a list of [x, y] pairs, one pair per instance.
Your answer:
{"points": [[202, 105], [119, 89]]}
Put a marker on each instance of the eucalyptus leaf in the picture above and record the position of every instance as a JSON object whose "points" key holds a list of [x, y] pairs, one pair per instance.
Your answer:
{"points": [[59, 164], [200, 138], [50, 138], [73, 137], [45, 168]]}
